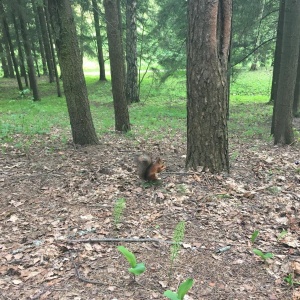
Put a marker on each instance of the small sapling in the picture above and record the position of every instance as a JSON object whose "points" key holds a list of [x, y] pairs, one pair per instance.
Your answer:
{"points": [[263, 256], [181, 291], [136, 268]]}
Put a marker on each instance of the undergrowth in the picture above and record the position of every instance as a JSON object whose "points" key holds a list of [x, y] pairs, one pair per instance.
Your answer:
{"points": [[161, 112]]}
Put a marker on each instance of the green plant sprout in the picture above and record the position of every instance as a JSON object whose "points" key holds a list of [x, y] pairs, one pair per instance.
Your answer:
{"points": [[282, 234], [119, 207], [290, 280], [263, 256], [254, 236], [136, 268], [177, 240], [182, 290]]}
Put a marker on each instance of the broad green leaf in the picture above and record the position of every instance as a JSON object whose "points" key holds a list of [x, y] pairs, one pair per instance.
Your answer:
{"points": [[264, 256], [184, 287], [268, 255], [138, 269], [129, 255], [171, 295], [258, 252]]}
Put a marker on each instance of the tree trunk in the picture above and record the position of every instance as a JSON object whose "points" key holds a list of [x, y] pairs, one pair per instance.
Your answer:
{"points": [[283, 119], [70, 61], [40, 38], [29, 59], [209, 30], [116, 55], [11, 47], [20, 51], [46, 41], [131, 53], [277, 58], [48, 29], [10, 68], [258, 37], [296, 102], [99, 41], [3, 60]]}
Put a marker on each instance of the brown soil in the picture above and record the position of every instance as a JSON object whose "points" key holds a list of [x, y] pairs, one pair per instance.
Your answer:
{"points": [[50, 195]]}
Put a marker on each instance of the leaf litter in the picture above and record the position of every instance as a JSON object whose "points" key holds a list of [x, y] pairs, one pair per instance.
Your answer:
{"points": [[51, 194]]}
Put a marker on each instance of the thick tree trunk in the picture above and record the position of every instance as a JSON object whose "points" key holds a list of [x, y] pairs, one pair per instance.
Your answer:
{"points": [[283, 119], [70, 61], [102, 76], [132, 94], [116, 55], [207, 62]]}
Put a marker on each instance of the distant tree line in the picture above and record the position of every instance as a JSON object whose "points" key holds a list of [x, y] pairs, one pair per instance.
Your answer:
{"points": [[51, 37]]}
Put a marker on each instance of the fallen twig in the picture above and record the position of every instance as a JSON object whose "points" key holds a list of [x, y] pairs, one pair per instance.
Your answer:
{"points": [[123, 240], [78, 274]]}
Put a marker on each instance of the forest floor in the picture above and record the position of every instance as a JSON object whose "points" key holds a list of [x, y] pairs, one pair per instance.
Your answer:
{"points": [[56, 199]]}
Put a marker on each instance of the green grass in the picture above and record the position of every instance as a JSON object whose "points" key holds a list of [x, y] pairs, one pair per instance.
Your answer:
{"points": [[161, 112]]}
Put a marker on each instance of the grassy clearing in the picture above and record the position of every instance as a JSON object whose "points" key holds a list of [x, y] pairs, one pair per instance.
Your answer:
{"points": [[162, 109]]}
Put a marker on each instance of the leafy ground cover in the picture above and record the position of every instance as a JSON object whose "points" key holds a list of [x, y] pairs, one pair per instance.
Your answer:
{"points": [[58, 203]]}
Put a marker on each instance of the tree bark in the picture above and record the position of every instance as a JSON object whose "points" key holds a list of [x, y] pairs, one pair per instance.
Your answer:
{"points": [[296, 102], [48, 29], [102, 76], [70, 61], [11, 47], [20, 50], [283, 118], [277, 58], [29, 59], [116, 55], [132, 94], [209, 30], [40, 38], [46, 41], [3, 60], [10, 68]]}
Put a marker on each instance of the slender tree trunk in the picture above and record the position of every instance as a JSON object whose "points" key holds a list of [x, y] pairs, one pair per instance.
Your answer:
{"points": [[11, 47], [46, 42], [10, 67], [70, 61], [257, 40], [131, 53], [116, 55], [40, 39], [53, 53], [35, 60], [102, 76], [296, 102], [3, 60], [20, 50], [277, 59], [29, 59], [283, 119], [209, 30]]}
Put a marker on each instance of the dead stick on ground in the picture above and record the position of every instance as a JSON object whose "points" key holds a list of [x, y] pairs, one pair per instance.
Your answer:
{"points": [[111, 240], [78, 274]]}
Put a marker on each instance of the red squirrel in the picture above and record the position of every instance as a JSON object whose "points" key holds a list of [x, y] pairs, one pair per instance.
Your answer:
{"points": [[148, 169]]}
